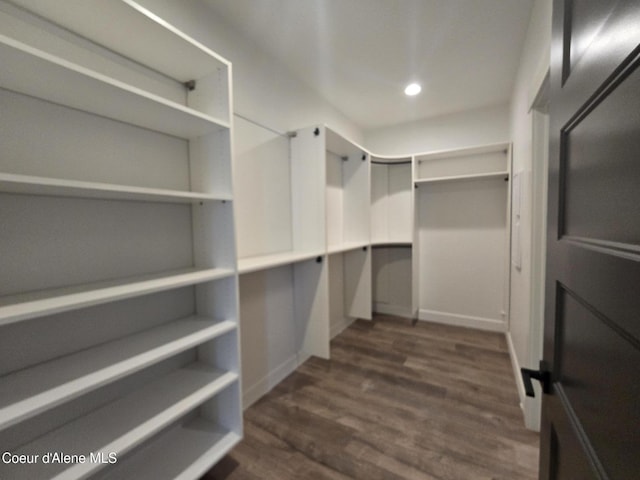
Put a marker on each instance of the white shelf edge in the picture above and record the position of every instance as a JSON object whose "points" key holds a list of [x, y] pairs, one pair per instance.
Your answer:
{"points": [[345, 247], [34, 185], [455, 178], [62, 82], [132, 420], [456, 152], [163, 24], [16, 308], [185, 453], [117, 359], [263, 262]]}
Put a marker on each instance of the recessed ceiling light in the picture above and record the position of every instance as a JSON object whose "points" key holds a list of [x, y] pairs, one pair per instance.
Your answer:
{"points": [[412, 89]]}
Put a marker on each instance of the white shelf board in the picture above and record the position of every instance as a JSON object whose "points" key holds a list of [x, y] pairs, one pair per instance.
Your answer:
{"points": [[345, 247], [455, 178], [16, 308], [124, 424], [31, 185], [461, 152], [28, 392], [262, 262], [184, 453], [33, 72], [163, 47]]}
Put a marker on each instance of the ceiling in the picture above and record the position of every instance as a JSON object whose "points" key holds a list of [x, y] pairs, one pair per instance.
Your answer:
{"points": [[360, 54]]}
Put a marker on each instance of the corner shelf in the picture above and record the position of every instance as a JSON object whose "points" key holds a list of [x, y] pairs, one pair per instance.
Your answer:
{"points": [[32, 390], [455, 178], [125, 423], [263, 262], [182, 453], [32, 72], [15, 308], [32, 185]]}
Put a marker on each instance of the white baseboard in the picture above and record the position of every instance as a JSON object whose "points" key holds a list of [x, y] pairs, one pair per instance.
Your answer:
{"points": [[457, 320], [390, 309], [253, 393], [339, 327]]}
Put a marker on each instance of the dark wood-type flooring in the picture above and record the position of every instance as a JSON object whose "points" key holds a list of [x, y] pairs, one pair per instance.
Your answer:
{"points": [[396, 401]]}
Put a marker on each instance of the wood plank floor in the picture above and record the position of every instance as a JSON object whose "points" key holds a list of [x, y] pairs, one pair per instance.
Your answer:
{"points": [[396, 401]]}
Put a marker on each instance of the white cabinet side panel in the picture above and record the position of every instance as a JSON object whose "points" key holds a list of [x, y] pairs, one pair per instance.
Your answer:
{"points": [[308, 174], [311, 297], [400, 222], [335, 200], [379, 202], [356, 199], [462, 248], [357, 283], [263, 197], [338, 317]]}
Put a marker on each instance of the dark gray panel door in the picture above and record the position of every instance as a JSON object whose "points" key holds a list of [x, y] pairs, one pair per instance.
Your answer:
{"points": [[591, 416]]}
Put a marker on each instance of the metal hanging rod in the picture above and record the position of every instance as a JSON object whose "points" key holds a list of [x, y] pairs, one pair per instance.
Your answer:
{"points": [[261, 125], [377, 162]]}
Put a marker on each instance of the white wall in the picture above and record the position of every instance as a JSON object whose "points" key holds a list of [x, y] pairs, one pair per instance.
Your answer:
{"points": [[266, 93], [474, 127], [263, 89], [534, 63]]}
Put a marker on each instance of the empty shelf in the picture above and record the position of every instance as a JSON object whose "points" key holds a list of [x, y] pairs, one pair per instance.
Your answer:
{"points": [[455, 178], [262, 262], [122, 425], [32, 185], [30, 391], [163, 47], [183, 453], [345, 247], [15, 308], [33, 72]]}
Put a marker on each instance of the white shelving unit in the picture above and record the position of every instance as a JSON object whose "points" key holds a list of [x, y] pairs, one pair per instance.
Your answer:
{"points": [[462, 245], [392, 234], [348, 177], [119, 294]]}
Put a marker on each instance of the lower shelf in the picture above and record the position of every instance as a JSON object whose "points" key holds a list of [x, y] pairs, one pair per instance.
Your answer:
{"points": [[184, 453], [122, 425], [32, 390], [263, 262]]}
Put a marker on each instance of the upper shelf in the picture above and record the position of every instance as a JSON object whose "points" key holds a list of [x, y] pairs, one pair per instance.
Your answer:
{"points": [[455, 178], [33, 72], [27, 184], [341, 146], [163, 47]]}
